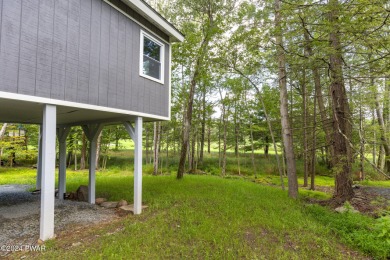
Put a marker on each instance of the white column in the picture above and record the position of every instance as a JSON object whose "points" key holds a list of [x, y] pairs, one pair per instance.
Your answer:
{"points": [[39, 160], [138, 166], [48, 172], [63, 133], [92, 133], [92, 172]]}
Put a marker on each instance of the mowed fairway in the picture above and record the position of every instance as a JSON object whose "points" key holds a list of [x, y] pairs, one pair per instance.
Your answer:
{"points": [[211, 217]]}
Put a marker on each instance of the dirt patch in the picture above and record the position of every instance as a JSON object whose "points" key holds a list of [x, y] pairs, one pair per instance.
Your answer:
{"points": [[371, 201], [20, 215]]}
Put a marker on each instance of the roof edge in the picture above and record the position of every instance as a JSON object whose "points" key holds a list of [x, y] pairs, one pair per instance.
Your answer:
{"points": [[155, 18]]}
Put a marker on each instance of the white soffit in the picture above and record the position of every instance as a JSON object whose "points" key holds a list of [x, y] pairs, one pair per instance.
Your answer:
{"points": [[155, 18]]}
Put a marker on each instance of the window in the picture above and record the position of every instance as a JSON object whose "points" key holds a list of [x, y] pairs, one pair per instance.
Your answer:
{"points": [[152, 58]]}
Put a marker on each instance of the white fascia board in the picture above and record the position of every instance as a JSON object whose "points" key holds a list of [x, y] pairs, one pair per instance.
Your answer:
{"points": [[140, 7], [57, 102]]}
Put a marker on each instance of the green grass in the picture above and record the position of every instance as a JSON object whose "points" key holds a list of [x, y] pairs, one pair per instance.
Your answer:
{"points": [[211, 217], [377, 183], [17, 176]]}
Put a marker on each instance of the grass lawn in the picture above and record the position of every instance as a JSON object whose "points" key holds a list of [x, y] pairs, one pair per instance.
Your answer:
{"points": [[211, 217]]}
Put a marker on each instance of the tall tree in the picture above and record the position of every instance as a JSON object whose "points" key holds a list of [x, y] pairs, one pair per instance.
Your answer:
{"points": [[340, 106], [286, 126], [211, 15]]}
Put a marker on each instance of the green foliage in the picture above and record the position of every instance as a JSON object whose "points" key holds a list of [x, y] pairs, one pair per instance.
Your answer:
{"points": [[356, 230], [383, 225]]}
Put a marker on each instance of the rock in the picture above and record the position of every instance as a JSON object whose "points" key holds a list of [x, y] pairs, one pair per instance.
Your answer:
{"points": [[122, 203], [82, 193], [99, 201], [40, 242], [344, 209], [71, 196], [36, 192], [109, 204], [130, 208]]}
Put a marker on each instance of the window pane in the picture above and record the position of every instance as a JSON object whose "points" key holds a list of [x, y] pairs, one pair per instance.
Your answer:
{"points": [[151, 67], [151, 49]]}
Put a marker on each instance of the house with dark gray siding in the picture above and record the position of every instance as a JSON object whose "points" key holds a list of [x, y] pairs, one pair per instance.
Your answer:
{"points": [[86, 63]]}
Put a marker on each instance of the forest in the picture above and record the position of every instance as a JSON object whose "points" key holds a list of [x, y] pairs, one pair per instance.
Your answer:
{"points": [[278, 144], [297, 81]]}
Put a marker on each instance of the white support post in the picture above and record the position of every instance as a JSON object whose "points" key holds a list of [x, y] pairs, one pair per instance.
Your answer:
{"points": [[62, 134], [92, 172], [39, 160], [48, 172], [138, 166], [92, 133]]}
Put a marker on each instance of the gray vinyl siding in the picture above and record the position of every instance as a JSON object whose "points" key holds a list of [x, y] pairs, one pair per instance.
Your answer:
{"points": [[81, 51]]}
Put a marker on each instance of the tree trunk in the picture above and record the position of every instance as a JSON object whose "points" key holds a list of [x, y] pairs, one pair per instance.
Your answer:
{"points": [[314, 145], [156, 146], [203, 129], [99, 143], [381, 158], [252, 148], [75, 161], [286, 128], [2, 130], [187, 120], [224, 140], [384, 141], [362, 141], [305, 134], [317, 85], [193, 152], [374, 142], [209, 140], [83, 152], [219, 142], [341, 113]]}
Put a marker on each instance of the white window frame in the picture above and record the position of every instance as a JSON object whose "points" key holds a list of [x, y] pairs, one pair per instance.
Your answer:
{"points": [[162, 57]]}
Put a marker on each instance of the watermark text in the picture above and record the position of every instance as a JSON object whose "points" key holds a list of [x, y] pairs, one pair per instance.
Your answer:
{"points": [[19, 248]]}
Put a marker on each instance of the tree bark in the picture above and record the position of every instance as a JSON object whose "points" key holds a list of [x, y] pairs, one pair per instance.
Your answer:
{"points": [[99, 143], [305, 134], [341, 113], [314, 145], [203, 129], [286, 128]]}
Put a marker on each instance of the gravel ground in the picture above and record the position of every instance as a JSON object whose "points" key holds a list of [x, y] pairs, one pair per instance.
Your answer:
{"points": [[20, 210], [378, 191]]}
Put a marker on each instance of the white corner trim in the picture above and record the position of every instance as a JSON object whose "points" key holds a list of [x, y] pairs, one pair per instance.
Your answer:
{"points": [[142, 8], [170, 81], [143, 34], [57, 102]]}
